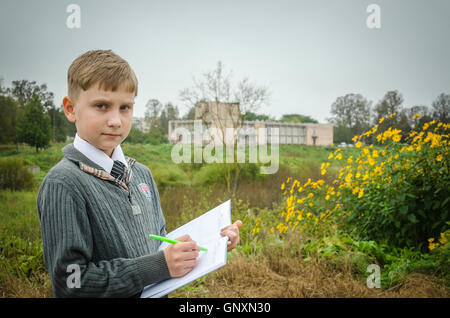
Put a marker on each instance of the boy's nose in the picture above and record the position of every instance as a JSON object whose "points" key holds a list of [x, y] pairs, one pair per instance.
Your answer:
{"points": [[114, 120]]}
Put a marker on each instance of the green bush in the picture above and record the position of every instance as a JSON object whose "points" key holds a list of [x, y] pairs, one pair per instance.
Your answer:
{"points": [[14, 175], [403, 192], [24, 257]]}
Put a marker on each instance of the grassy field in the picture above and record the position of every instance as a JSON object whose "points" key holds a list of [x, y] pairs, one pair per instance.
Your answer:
{"points": [[264, 265]]}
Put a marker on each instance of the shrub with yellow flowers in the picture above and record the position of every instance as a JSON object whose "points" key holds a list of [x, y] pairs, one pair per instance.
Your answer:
{"points": [[396, 191]]}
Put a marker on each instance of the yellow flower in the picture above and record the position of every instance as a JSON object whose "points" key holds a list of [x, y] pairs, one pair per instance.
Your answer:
{"points": [[361, 193], [439, 158], [282, 186], [349, 160], [348, 178], [365, 150], [358, 145], [330, 156], [327, 197], [417, 116], [323, 171], [381, 120], [397, 138], [339, 156]]}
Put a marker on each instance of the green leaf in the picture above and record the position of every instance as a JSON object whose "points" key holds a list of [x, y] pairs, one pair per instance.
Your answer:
{"points": [[412, 218], [403, 209], [445, 202], [401, 197], [412, 196]]}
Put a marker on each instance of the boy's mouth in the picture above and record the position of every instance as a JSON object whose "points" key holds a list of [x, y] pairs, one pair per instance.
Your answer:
{"points": [[112, 135]]}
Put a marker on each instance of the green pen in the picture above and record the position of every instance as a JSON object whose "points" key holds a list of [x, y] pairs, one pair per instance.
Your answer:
{"points": [[168, 240]]}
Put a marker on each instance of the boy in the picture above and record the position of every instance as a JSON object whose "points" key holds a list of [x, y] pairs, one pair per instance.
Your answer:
{"points": [[97, 206]]}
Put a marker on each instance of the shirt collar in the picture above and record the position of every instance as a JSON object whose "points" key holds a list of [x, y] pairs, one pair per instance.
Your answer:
{"points": [[98, 156]]}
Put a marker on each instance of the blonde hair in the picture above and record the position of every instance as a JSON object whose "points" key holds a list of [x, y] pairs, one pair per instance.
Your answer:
{"points": [[103, 67]]}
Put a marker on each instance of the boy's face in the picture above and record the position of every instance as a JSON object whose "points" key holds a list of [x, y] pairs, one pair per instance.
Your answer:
{"points": [[102, 118]]}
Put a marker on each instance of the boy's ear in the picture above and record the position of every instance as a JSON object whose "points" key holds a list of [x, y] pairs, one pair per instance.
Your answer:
{"points": [[69, 109]]}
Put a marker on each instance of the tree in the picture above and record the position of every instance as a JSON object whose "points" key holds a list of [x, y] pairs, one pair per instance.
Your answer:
{"points": [[136, 136], [152, 111], [190, 115], [258, 117], [24, 91], [441, 108], [417, 122], [297, 118], [8, 119], [2, 90], [61, 127], [389, 104], [351, 116], [34, 127], [170, 112], [231, 105]]}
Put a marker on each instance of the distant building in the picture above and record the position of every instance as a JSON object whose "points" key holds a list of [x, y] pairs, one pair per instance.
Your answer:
{"points": [[219, 117], [141, 124]]}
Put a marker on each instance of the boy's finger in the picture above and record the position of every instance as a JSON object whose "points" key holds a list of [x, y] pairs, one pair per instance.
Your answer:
{"points": [[235, 226], [184, 238], [188, 246], [231, 233], [190, 256]]}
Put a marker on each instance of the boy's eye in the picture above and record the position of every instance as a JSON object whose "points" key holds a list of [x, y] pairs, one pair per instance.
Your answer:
{"points": [[100, 106], [124, 107]]}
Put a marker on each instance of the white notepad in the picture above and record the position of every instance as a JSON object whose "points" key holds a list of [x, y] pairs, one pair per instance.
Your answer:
{"points": [[205, 230]]}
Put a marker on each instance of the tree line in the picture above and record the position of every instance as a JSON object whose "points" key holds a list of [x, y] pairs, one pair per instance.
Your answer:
{"points": [[30, 116], [353, 114]]}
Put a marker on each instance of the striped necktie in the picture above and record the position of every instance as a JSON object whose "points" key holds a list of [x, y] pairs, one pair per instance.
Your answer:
{"points": [[118, 170]]}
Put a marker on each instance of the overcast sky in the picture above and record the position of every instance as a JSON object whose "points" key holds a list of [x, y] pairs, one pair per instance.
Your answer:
{"points": [[307, 52]]}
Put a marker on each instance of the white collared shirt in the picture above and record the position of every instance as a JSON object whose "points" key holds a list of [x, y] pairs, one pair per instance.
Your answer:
{"points": [[98, 156]]}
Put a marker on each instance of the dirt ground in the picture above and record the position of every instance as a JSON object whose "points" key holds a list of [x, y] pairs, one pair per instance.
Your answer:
{"points": [[286, 278], [270, 277]]}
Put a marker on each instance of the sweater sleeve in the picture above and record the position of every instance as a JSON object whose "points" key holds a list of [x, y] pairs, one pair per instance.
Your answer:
{"points": [[68, 249]]}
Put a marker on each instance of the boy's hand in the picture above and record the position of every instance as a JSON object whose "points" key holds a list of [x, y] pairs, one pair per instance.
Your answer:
{"points": [[181, 258], [232, 231]]}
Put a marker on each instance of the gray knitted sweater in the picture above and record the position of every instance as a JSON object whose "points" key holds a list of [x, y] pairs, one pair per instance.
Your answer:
{"points": [[88, 223]]}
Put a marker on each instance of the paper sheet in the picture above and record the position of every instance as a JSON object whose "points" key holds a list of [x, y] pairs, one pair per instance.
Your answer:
{"points": [[205, 230]]}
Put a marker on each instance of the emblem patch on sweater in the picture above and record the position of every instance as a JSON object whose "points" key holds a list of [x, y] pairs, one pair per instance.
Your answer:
{"points": [[146, 190]]}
